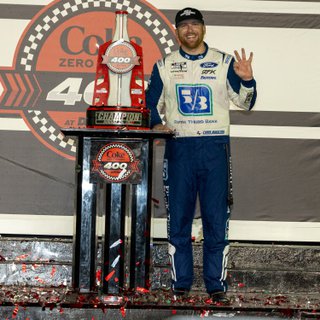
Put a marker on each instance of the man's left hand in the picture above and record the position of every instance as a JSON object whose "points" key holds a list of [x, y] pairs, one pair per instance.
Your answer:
{"points": [[242, 65]]}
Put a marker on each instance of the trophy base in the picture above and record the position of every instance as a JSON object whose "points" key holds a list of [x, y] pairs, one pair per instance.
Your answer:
{"points": [[118, 118]]}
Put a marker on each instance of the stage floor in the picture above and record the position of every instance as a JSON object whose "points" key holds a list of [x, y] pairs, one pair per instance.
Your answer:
{"points": [[30, 303]]}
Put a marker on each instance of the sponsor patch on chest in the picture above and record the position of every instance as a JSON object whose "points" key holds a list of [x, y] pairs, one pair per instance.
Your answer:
{"points": [[194, 99], [178, 67]]}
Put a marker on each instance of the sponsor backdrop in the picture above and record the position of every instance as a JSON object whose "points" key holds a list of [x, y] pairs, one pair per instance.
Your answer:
{"points": [[47, 64]]}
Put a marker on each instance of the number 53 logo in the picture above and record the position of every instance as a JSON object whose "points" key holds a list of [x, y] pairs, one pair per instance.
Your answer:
{"points": [[194, 99]]}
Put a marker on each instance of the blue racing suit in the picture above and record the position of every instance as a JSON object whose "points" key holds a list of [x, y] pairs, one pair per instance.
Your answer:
{"points": [[191, 94]]}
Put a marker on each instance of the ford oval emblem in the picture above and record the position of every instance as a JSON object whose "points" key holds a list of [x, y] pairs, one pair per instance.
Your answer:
{"points": [[208, 65]]}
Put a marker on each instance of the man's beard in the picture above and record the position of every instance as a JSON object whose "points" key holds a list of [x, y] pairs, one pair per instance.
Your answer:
{"points": [[191, 44]]}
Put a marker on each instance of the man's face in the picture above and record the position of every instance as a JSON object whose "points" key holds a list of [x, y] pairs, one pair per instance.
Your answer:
{"points": [[190, 33]]}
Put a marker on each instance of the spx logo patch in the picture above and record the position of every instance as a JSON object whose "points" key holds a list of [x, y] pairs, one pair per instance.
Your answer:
{"points": [[194, 99]]}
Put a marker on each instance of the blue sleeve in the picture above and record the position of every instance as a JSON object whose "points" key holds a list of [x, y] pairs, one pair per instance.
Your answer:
{"points": [[235, 82], [153, 94]]}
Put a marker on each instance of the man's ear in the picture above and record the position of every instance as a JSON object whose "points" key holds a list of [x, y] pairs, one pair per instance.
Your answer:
{"points": [[177, 37]]}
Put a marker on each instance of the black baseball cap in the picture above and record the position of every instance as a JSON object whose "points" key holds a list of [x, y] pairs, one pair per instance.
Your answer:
{"points": [[188, 14]]}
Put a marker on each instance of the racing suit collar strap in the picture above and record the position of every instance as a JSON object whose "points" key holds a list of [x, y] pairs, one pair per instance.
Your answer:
{"points": [[196, 56]]}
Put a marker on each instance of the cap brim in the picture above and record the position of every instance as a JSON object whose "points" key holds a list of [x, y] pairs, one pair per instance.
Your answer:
{"points": [[189, 21]]}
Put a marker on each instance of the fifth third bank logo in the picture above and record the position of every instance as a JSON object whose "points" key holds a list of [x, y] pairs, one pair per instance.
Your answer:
{"points": [[195, 100]]}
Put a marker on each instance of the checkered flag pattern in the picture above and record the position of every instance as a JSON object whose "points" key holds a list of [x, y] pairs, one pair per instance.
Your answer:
{"points": [[51, 132], [69, 8]]}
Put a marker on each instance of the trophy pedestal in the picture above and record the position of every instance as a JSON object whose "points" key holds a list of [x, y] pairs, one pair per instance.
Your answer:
{"points": [[123, 203]]}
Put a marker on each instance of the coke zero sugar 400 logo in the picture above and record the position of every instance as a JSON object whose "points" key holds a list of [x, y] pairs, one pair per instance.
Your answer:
{"points": [[121, 57], [116, 162], [51, 81]]}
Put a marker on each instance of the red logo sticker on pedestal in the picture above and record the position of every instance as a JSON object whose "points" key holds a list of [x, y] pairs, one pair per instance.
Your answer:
{"points": [[115, 162]]}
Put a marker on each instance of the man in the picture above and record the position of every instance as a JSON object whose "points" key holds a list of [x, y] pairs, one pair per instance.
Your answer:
{"points": [[189, 93]]}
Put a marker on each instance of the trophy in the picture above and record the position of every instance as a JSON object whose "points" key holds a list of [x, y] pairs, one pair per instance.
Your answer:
{"points": [[114, 167], [119, 95]]}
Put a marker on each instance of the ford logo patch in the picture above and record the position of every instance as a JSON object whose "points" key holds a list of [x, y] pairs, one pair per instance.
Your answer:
{"points": [[208, 65]]}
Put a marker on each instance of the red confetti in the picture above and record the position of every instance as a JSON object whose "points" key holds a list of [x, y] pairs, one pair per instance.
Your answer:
{"points": [[267, 302], [116, 279], [241, 285], [123, 311], [142, 290], [15, 312], [241, 297], [110, 275], [23, 256], [156, 201], [53, 271], [204, 313], [24, 267], [98, 275], [39, 279], [174, 311], [288, 313], [104, 310], [81, 298], [208, 301]]}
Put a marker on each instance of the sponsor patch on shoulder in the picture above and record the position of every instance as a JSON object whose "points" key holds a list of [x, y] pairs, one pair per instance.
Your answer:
{"points": [[160, 63], [228, 58]]}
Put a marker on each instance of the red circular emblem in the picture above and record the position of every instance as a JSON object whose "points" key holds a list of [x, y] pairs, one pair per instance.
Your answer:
{"points": [[115, 162], [121, 57]]}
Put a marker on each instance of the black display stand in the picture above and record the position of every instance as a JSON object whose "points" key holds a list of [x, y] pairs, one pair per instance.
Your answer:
{"points": [[124, 208]]}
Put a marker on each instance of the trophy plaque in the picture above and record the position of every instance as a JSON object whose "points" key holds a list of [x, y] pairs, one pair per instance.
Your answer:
{"points": [[119, 95]]}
